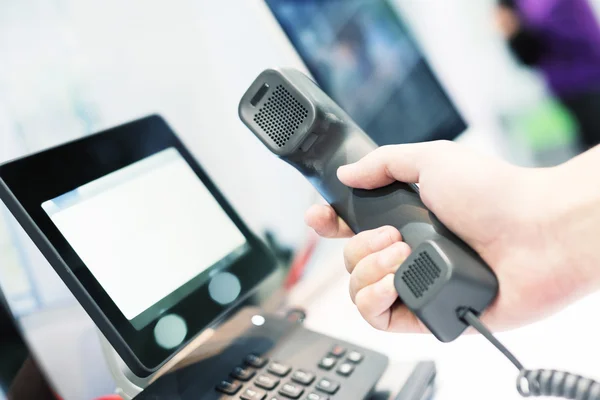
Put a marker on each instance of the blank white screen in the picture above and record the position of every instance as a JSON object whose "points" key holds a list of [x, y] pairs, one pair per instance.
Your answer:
{"points": [[145, 230]]}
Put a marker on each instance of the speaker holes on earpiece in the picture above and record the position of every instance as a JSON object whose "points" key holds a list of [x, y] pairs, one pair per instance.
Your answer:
{"points": [[281, 116]]}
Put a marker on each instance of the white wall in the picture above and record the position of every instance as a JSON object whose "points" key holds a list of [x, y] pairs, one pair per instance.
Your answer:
{"points": [[191, 62], [469, 56]]}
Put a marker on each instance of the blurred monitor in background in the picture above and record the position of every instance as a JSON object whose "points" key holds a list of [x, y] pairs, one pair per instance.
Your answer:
{"points": [[362, 55], [561, 40]]}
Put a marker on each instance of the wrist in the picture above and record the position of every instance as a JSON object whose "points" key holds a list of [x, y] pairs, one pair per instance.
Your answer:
{"points": [[571, 224]]}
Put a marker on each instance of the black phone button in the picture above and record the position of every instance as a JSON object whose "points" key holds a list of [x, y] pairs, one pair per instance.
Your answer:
{"points": [[228, 387], [337, 351], [266, 382], [345, 369], [255, 361], [355, 357], [243, 374], [327, 363], [303, 377], [279, 369], [290, 390], [253, 394], [316, 396], [328, 386]]}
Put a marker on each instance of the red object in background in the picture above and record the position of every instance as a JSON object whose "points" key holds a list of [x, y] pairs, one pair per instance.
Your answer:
{"points": [[300, 260], [110, 397]]}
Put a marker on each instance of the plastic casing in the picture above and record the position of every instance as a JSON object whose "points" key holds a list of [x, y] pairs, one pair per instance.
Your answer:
{"points": [[340, 141], [131, 141]]}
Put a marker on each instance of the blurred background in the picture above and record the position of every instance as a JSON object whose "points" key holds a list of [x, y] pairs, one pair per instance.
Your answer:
{"points": [[72, 67]]}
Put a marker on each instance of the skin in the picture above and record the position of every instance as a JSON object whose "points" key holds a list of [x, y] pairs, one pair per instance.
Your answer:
{"points": [[507, 21], [538, 229]]}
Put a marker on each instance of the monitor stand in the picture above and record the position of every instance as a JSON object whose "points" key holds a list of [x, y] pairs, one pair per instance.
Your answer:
{"points": [[129, 385], [269, 299]]}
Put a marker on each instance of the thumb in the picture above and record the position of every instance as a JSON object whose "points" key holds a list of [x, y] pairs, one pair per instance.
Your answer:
{"points": [[387, 164]]}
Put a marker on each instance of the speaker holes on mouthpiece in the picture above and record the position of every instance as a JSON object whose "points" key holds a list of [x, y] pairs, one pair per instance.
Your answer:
{"points": [[421, 274], [281, 116]]}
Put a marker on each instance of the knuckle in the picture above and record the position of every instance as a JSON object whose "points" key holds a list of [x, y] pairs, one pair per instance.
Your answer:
{"points": [[394, 233], [348, 256], [389, 260], [362, 305], [364, 308], [378, 265], [403, 248], [382, 237], [383, 153], [356, 277]]}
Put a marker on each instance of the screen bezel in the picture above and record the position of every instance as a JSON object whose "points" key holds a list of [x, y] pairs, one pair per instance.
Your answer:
{"points": [[448, 132], [34, 179]]}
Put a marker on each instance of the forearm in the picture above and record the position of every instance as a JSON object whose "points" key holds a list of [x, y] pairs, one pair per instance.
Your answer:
{"points": [[575, 207]]}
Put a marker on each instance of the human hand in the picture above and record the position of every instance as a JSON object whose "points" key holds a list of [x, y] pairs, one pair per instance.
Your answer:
{"points": [[505, 213]]}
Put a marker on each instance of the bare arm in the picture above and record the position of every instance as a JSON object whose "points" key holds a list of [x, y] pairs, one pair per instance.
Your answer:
{"points": [[575, 215]]}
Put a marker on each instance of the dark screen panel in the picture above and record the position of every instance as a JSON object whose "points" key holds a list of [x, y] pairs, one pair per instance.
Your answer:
{"points": [[363, 55], [34, 179]]}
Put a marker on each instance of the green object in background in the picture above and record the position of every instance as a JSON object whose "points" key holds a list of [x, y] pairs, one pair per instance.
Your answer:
{"points": [[547, 125]]}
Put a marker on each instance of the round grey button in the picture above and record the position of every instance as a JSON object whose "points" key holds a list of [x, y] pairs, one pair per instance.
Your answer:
{"points": [[224, 288], [170, 331]]}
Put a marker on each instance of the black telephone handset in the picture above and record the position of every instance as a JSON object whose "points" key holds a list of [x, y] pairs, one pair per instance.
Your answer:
{"points": [[299, 123]]}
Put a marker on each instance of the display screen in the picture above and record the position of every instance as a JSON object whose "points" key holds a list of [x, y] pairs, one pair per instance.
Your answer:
{"points": [[363, 56], [150, 233]]}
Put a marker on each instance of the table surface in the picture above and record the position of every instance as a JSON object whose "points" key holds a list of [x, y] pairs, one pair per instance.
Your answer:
{"points": [[468, 367]]}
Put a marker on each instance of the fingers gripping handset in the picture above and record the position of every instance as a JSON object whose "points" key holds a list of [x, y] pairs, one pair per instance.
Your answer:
{"points": [[300, 124]]}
